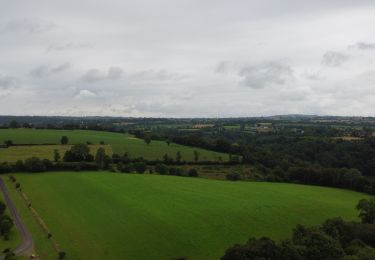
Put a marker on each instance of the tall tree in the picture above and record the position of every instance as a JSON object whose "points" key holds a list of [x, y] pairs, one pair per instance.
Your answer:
{"points": [[64, 140], [147, 139], [196, 156], [56, 155], [178, 156]]}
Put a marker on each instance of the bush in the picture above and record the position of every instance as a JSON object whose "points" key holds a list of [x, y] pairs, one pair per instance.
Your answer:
{"points": [[35, 164], [233, 176], [5, 168], [140, 167], [193, 173], [128, 168], [175, 171], [162, 169]]}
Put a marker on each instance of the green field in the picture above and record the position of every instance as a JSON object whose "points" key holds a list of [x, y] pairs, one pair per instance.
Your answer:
{"points": [[120, 143], [128, 216], [14, 153]]}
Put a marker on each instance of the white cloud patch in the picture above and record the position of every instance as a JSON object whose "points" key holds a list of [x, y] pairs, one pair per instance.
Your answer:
{"points": [[84, 93]]}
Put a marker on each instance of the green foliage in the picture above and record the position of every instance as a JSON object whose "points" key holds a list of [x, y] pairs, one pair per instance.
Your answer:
{"points": [[8, 143], [162, 169], [64, 140], [6, 224], [2, 208], [56, 155], [78, 153], [366, 209], [335, 239], [147, 139], [35, 164], [192, 172]]}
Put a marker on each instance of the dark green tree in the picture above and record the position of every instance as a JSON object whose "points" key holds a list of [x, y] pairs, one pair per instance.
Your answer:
{"points": [[6, 225], [196, 156], [366, 209], [56, 155], [2, 208], [147, 139], [178, 156], [8, 143], [64, 140]]}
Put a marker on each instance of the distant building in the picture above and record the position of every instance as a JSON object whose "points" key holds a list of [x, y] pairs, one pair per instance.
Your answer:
{"points": [[262, 128]]}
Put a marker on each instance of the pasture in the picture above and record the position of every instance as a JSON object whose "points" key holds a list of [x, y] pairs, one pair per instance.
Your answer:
{"points": [[102, 215], [120, 143]]}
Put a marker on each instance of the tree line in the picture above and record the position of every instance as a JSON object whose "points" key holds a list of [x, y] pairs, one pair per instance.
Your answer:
{"points": [[334, 239]]}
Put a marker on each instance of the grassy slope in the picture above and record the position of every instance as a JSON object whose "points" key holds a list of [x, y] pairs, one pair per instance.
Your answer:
{"points": [[120, 143], [14, 153], [120, 216]]}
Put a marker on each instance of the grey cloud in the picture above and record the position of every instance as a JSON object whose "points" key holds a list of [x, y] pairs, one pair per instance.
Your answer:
{"points": [[156, 75], [334, 59], [95, 75], [7, 82], [46, 70], [223, 67], [68, 46], [363, 46], [265, 75], [60, 68], [28, 25]]}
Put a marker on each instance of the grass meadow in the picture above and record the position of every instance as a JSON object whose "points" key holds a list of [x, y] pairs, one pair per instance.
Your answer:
{"points": [[120, 143], [102, 215]]}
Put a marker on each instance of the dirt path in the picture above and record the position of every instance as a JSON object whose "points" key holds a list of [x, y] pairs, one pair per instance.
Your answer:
{"points": [[26, 245]]}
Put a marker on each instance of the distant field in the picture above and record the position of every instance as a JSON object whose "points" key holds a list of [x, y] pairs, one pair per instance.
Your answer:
{"points": [[129, 216], [14, 153], [120, 143]]}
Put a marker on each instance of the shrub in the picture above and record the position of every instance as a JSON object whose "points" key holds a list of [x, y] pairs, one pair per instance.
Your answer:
{"points": [[193, 173], [34, 164], [162, 169], [233, 176], [140, 167]]}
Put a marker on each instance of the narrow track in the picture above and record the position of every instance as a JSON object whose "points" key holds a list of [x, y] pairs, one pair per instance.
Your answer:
{"points": [[26, 245]]}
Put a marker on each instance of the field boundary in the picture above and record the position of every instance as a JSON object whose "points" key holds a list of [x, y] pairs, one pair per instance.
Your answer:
{"points": [[40, 221], [26, 245]]}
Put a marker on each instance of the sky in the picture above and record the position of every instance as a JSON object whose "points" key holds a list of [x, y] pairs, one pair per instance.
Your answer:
{"points": [[187, 58]]}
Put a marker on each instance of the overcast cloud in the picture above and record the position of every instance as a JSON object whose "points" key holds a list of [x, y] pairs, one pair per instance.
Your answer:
{"points": [[187, 58]]}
